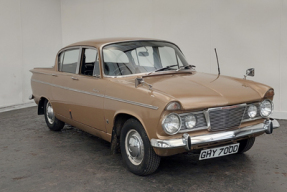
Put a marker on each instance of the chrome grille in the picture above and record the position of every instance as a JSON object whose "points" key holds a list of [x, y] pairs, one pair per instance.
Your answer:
{"points": [[226, 117]]}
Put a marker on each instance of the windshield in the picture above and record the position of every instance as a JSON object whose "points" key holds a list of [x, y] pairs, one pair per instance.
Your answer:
{"points": [[140, 57]]}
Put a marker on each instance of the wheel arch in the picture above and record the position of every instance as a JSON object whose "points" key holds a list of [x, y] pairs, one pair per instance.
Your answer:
{"points": [[41, 105], [118, 122], [120, 118]]}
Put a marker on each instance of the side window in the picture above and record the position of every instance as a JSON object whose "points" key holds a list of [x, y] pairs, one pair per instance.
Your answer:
{"points": [[70, 61], [90, 62]]}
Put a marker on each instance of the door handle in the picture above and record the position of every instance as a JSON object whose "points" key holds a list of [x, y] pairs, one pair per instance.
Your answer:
{"points": [[74, 78], [54, 75]]}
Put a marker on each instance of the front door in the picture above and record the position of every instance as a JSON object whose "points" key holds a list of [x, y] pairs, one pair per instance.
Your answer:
{"points": [[87, 100]]}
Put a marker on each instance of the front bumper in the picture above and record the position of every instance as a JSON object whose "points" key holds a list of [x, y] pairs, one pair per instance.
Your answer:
{"points": [[188, 141]]}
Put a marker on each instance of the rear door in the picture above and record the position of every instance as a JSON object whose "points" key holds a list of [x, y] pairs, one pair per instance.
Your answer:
{"points": [[68, 62], [87, 100]]}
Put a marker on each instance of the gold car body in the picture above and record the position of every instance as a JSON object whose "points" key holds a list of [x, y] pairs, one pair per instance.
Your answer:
{"points": [[96, 104]]}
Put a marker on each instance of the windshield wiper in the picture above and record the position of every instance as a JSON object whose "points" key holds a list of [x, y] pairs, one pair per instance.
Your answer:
{"points": [[162, 69], [185, 67]]}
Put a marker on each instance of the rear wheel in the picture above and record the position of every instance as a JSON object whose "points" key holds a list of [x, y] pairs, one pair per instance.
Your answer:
{"points": [[52, 122], [138, 155], [246, 144]]}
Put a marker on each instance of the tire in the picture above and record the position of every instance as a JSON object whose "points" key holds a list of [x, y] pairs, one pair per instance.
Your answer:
{"points": [[246, 144], [140, 158], [52, 122]]}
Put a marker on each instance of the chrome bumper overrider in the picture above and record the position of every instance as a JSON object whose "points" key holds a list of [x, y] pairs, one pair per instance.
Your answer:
{"points": [[188, 141]]}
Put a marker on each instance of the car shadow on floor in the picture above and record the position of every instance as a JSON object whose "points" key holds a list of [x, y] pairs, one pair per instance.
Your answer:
{"points": [[181, 164]]}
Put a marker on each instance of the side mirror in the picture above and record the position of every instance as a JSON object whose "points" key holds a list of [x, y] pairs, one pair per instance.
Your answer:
{"points": [[250, 72]]}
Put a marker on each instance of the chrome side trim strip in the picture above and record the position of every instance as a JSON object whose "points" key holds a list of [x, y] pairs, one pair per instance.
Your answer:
{"points": [[99, 95], [132, 102]]}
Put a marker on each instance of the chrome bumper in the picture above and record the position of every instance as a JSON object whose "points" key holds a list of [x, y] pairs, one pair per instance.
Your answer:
{"points": [[188, 141]]}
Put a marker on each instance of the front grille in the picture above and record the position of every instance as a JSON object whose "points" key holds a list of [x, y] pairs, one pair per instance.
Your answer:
{"points": [[226, 118]]}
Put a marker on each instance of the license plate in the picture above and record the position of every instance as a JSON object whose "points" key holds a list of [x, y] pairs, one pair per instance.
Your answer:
{"points": [[219, 151]]}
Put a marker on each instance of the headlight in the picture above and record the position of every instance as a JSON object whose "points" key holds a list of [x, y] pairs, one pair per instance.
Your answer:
{"points": [[190, 121], [252, 111], [266, 108], [171, 124]]}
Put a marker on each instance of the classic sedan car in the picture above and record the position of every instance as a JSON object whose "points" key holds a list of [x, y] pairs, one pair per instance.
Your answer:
{"points": [[143, 97]]}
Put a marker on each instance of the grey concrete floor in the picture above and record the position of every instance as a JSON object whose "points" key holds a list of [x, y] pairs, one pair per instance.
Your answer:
{"points": [[32, 158]]}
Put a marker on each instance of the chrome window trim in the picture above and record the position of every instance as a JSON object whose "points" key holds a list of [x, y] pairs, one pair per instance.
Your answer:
{"points": [[79, 59], [100, 95], [98, 59], [68, 49]]}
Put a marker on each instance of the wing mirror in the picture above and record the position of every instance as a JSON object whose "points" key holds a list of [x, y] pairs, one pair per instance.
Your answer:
{"points": [[250, 72]]}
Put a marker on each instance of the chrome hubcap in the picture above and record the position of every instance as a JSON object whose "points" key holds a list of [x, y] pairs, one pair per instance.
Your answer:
{"points": [[50, 113], [134, 147]]}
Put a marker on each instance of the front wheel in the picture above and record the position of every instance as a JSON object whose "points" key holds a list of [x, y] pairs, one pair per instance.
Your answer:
{"points": [[52, 122], [138, 155]]}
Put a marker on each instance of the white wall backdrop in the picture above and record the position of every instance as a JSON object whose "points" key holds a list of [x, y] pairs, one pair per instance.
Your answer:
{"points": [[30, 36], [246, 33]]}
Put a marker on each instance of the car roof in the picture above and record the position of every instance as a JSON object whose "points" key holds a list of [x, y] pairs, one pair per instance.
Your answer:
{"points": [[100, 42]]}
